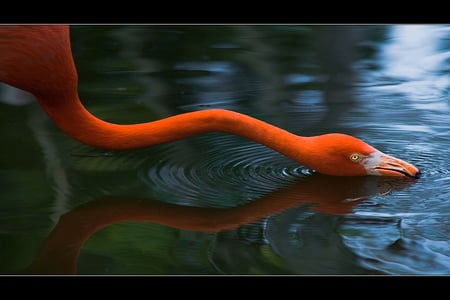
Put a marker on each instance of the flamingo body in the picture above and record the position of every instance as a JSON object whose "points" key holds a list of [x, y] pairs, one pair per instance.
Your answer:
{"points": [[39, 59]]}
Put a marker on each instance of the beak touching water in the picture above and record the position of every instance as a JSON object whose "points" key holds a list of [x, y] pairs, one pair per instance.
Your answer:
{"points": [[382, 164]]}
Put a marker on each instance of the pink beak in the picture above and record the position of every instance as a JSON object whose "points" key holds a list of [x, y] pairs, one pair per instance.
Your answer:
{"points": [[391, 166]]}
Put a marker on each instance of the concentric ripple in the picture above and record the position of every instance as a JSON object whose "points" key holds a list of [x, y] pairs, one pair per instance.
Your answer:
{"points": [[230, 171]]}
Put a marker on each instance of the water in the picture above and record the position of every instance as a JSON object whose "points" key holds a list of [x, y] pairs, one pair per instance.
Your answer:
{"points": [[219, 204]]}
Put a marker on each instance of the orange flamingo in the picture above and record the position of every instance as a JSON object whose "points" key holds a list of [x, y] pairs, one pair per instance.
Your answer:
{"points": [[39, 59]]}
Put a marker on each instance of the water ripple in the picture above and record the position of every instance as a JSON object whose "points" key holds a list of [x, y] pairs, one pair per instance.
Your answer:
{"points": [[229, 171]]}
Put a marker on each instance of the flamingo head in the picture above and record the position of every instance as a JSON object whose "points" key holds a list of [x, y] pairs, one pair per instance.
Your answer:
{"points": [[344, 155]]}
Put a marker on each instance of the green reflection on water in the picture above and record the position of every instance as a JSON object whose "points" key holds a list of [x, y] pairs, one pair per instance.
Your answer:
{"points": [[132, 74]]}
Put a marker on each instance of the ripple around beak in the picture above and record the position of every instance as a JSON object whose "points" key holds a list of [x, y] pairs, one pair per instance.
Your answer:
{"points": [[385, 165]]}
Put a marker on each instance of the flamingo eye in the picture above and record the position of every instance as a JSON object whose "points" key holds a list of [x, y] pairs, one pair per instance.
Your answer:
{"points": [[355, 157]]}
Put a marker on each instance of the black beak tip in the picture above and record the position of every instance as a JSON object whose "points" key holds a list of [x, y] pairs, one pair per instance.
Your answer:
{"points": [[418, 174]]}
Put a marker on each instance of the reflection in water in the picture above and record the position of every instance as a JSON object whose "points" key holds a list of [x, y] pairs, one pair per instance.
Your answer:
{"points": [[408, 91], [384, 84], [337, 53], [423, 46], [421, 75], [326, 194]]}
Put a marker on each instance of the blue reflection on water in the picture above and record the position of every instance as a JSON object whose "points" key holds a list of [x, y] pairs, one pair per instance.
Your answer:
{"points": [[396, 99], [408, 233]]}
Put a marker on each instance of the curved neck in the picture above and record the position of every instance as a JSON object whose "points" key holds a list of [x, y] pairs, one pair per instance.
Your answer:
{"points": [[39, 59], [73, 118]]}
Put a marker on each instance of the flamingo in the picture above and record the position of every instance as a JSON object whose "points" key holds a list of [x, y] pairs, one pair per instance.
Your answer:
{"points": [[38, 59]]}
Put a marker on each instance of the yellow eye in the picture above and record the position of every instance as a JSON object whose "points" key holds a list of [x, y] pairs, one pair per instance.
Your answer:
{"points": [[355, 157]]}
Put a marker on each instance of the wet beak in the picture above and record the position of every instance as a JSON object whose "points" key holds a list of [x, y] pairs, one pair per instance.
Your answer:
{"points": [[390, 166]]}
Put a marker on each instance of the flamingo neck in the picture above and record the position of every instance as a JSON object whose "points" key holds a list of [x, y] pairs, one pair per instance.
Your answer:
{"points": [[74, 119]]}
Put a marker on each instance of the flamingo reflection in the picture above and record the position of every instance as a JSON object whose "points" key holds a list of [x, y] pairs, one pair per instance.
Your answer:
{"points": [[327, 194]]}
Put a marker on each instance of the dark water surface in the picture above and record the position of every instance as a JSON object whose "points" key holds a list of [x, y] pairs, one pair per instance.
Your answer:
{"points": [[219, 204]]}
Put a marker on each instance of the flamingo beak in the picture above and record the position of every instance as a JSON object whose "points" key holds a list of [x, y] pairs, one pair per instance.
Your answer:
{"points": [[386, 165], [391, 166]]}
